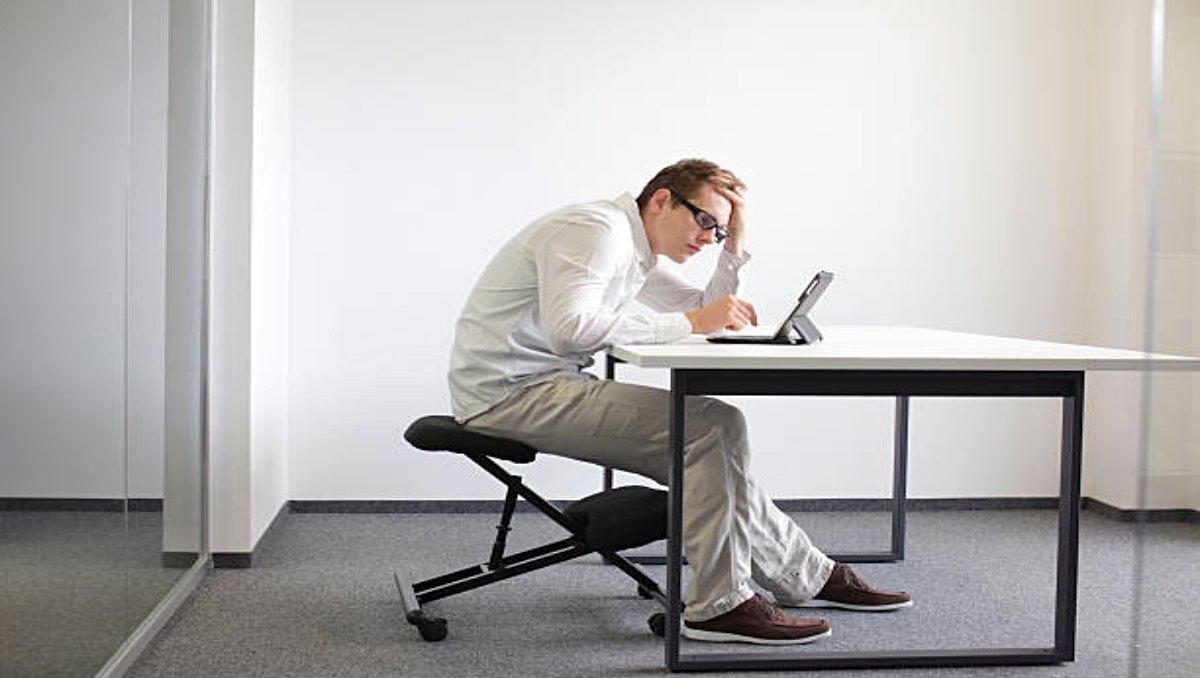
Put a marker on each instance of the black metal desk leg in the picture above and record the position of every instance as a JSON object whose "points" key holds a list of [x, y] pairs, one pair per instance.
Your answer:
{"points": [[1068, 522], [675, 519], [900, 477], [610, 373], [899, 494]]}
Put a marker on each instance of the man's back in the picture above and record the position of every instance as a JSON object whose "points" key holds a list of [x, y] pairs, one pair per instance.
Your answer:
{"points": [[501, 342]]}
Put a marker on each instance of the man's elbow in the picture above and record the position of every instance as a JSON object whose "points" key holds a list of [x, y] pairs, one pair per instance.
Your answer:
{"points": [[570, 338], [563, 343]]}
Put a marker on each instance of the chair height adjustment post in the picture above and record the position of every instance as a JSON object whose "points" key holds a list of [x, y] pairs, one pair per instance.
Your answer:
{"points": [[510, 504]]}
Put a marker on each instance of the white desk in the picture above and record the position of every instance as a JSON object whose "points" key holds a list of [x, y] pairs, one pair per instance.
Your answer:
{"points": [[901, 362]]}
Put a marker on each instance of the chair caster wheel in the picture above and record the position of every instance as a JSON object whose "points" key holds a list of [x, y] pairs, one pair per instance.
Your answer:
{"points": [[432, 629], [644, 592], [658, 624]]}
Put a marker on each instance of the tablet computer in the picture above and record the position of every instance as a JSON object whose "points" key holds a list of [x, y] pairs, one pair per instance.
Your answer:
{"points": [[795, 328]]}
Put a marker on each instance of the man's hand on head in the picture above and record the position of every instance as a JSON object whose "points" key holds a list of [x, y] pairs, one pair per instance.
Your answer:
{"points": [[728, 312], [736, 241]]}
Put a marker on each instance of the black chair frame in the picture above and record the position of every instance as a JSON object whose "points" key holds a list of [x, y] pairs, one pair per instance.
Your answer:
{"points": [[499, 566]]}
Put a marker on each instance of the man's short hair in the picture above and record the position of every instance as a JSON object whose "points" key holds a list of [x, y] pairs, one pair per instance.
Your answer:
{"points": [[686, 177]]}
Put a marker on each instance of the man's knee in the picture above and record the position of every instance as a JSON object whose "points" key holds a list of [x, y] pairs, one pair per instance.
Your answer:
{"points": [[725, 415], [718, 417]]}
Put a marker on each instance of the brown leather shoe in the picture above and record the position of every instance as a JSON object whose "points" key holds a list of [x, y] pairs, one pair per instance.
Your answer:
{"points": [[756, 621], [847, 591]]}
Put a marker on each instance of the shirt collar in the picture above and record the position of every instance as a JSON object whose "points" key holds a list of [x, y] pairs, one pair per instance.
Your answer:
{"points": [[641, 243]]}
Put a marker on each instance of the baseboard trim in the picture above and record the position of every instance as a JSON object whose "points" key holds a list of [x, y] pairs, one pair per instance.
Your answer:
{"points": [[939, 504], [232, 560], [411, 506], [178, 560], [241, 560], [1141, 515], [789, 505], [491, 506], [145, 505], [61, 504], [98, 505]]}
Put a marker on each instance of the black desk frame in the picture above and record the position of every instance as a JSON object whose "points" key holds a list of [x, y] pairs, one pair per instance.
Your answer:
{"points": [[901, 384], [899, 491]]}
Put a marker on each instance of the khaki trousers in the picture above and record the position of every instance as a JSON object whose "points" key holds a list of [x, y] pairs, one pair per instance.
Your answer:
{"points": [[732, 532]]}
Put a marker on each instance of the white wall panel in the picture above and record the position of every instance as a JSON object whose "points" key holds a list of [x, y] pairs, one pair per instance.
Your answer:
{"points": [[63, 171], [935, 154]]}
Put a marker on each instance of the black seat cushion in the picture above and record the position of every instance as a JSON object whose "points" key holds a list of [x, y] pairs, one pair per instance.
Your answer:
{"points": [[622, 518], [438, 432]]}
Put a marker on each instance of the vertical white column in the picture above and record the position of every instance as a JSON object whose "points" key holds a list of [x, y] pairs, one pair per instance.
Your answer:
{"points": [[186, 274]]}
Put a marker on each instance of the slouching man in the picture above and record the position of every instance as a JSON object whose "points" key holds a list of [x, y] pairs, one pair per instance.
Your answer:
{"points": [[560, 291]]}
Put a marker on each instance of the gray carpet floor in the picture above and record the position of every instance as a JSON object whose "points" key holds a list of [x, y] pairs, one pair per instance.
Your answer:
{"points": [[320, 600], [73, 585]]}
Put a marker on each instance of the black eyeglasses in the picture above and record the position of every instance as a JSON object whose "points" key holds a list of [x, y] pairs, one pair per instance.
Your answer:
{"points": [[704, 220]]}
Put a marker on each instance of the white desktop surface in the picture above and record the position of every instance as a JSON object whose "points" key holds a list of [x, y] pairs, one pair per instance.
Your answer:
{"points": [[860, 347]]}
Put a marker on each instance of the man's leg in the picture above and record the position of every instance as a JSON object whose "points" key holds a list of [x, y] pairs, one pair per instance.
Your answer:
{"points": [[787, 564], [624, 426], [784, 561]]}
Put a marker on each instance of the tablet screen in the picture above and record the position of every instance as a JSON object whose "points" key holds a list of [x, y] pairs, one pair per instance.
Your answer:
{"points": [[808, 299]]}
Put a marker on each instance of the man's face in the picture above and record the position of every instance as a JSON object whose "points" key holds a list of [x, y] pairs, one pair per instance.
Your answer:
{"points": [[680, 236]]}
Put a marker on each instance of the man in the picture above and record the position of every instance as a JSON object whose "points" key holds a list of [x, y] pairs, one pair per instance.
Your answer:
{"points": [[560, 291]]}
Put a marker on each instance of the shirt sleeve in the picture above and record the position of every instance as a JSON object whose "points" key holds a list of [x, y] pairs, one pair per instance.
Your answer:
{"points": [[667, 291], [576, 266]]}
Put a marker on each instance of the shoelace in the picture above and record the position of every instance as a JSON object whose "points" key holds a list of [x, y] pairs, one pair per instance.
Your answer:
{"points": [[852, 581], [773, 613]]}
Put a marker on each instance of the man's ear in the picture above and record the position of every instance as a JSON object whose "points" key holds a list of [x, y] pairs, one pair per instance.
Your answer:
{"points": [[661, 199]]}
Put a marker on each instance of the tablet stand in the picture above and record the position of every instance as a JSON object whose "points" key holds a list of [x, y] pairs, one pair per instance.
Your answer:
{"points": [[807, 332]]}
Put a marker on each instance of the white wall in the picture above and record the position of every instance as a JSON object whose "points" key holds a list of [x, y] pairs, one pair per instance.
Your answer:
{"points": [[63, 171], [186, 279], [1173, 435], [271, 218], [1146, 270], [248, 350], [936, 154], [230, 270], [1116, 245], [147, 247], [83, 139]]}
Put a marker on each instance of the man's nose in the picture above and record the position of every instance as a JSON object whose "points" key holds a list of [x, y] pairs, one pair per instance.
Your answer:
{"points": [[707, 236]]}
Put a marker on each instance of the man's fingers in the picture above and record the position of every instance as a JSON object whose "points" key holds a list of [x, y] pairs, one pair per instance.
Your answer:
{"points": [[734, 313], [747, 311], [743, 318], [733, 196], [740, 316]]}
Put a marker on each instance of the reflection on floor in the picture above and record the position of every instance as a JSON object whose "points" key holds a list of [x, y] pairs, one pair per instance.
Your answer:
{"points": [[73, 584]]}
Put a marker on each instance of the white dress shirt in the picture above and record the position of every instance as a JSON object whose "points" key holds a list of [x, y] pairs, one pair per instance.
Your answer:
{"points": [[560, 291]]}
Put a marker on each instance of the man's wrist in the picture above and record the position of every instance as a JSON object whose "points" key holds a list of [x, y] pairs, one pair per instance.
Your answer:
{"points": [[681, 329], [738, 251], [691, 321]]}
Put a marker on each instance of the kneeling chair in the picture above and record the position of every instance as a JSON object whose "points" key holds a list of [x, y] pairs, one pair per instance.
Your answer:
{"points": [[604, 523]]}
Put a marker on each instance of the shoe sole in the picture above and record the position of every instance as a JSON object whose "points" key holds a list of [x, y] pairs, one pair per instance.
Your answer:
{"points": [[850, 606], [722, 637]]}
